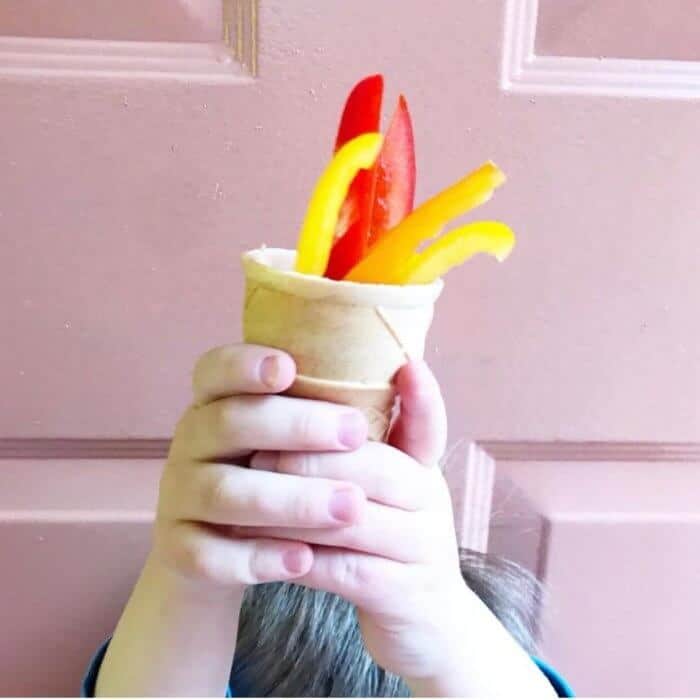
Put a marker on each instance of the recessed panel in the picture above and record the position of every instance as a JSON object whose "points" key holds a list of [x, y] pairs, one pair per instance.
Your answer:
{"points": [[646, 29], [125, 20]]}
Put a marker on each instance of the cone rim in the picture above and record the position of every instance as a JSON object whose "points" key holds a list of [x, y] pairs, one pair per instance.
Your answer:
{"points": [[273, 267]]}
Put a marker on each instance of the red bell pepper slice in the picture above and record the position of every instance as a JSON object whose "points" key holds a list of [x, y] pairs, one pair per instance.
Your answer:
{"points": [[362, 110], [379, 198], [396, 175]]}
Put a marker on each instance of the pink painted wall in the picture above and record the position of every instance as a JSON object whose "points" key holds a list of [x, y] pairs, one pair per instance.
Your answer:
{"points": [[129, 184]]}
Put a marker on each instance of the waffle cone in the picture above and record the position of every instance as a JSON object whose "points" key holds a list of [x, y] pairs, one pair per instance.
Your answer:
{"points": [[348, 339]]}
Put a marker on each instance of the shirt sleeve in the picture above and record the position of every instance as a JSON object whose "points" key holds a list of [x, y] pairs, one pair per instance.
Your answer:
{"points": [[87, 688], [561, 687]]}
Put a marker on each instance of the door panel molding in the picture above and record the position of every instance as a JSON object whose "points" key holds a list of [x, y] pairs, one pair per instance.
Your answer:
{"points": [[522, 71], [591, 451], [233, 59], [499, 450]]}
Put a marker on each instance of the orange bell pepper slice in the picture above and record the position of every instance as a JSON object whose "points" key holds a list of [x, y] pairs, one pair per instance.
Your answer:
{"points": [[318, 229], [389, 257], [456, 247]]}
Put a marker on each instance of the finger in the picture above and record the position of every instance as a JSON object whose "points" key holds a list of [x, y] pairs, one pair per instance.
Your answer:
{"points": [[241, 369], [371, 583], [383, 531], [385, 474], [202, 554], [232, 427], [421, 428], [228, 495]]}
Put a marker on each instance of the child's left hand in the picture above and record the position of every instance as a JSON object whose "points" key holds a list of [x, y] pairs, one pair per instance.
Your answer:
{"points": [[399, 562]]}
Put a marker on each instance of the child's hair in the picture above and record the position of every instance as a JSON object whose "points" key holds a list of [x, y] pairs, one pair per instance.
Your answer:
{"points": [[296, 642]]}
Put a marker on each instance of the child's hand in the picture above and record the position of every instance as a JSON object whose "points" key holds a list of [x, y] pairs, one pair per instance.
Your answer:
{"points": [[177, 635], [321, 506], [207, 503], [399, 561]]}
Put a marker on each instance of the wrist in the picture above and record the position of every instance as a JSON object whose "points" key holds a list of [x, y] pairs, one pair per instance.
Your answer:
{"points": [[169, 619], [451, 650], [478, 657]]}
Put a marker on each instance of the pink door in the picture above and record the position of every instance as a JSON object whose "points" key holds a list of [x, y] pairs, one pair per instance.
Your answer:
{"points": [[144, 145]]}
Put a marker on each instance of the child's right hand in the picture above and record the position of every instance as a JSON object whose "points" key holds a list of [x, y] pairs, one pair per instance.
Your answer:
{"points": [[208, 498]]}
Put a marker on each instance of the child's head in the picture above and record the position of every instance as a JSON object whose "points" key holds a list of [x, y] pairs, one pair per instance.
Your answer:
{"points": [[298, 642]]}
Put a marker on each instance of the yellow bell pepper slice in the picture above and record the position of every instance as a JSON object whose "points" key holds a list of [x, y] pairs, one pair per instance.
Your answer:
{"points": [[318, 229], [456, 247], [390, 255]]}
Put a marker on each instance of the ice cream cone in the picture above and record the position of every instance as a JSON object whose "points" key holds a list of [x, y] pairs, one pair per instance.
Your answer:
{"points": [[348, 339]]}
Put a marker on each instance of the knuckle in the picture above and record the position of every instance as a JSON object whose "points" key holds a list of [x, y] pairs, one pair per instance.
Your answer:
{"points": [[199, 564], [254, 570], [292, 508], [222, 419], [207, 364], [190, 556], [260, 503], [303, 510], [305, 429], [258, 566], [232, 362], [218, 493], [225, 422], [297, 463], [350, 572]]}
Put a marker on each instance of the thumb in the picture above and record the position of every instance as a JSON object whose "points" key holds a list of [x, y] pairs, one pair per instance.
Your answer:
{"points": [[421, 428]]}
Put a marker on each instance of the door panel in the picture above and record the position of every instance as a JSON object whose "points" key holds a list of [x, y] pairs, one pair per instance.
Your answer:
{"points": [[73, 536], [653, 29], [616, 547], [135, 168], [130, 20], [148, 190]]}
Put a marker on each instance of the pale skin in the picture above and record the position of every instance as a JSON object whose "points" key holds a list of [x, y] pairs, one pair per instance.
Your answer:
{"points": [[318, 505]]}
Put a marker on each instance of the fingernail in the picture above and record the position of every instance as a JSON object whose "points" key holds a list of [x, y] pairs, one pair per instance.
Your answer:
{"points": [[265, 460], [295, 560], [270, 371], [352, 429], [344, 506]]}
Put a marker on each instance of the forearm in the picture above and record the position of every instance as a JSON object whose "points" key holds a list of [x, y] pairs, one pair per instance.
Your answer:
{"points": [[481, 659], [174, 638]]}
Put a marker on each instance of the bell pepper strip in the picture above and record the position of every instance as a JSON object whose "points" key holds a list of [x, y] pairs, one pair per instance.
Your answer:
{"points": [[388, 258], [456, 247], [362, 110], [316, 236], [350, 248], [396, 175], [389, 188], [361, 115]]}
